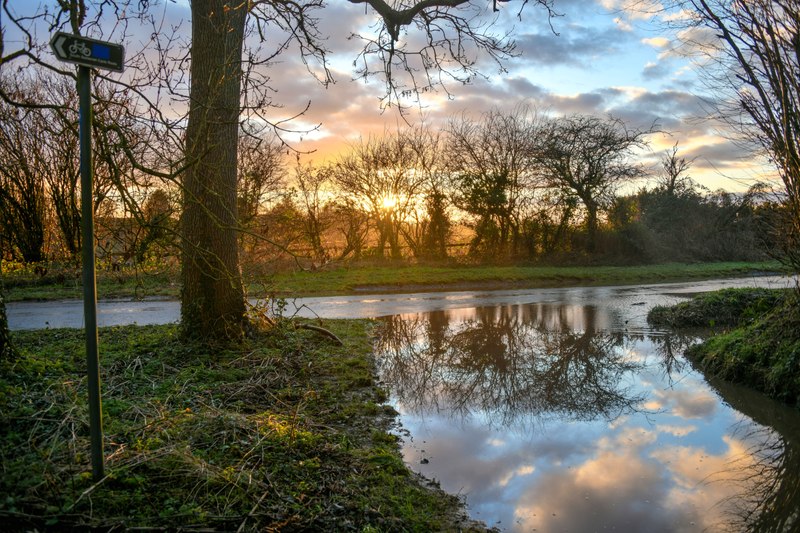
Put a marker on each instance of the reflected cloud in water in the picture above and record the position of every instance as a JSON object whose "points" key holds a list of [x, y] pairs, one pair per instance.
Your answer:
{"points": [[549, 417]]}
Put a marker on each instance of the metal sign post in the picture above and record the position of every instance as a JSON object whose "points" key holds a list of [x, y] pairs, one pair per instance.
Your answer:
{"points": [[89, 280], [88, 53]]}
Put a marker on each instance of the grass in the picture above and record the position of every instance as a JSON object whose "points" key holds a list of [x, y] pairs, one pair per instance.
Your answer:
{"points": [[346, 280], [758, 344], [287, 431], [63, 283], [723, 308]]}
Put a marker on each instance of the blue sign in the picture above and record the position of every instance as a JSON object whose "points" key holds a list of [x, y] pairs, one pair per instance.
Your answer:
{"points": [[101, 51], [88, 52]]}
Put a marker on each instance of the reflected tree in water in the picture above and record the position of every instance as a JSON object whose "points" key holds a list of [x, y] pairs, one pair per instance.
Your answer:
{"points": [[671, 347], [520, 365], [514, 363], [767, 498], [768, 495]]}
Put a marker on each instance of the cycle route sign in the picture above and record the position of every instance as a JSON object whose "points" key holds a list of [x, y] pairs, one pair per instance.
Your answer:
{"points": [[88, 52]]}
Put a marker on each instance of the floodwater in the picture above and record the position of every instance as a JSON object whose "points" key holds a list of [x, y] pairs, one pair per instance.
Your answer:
{"points": [[571, 414], [69, 313], [558, 409]]}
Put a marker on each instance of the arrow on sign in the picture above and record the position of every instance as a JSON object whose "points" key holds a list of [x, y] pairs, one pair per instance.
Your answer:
{"points": [[88, 52]]}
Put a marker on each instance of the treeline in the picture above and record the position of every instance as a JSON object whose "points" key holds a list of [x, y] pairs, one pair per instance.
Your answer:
{"points": [[500, 187]]}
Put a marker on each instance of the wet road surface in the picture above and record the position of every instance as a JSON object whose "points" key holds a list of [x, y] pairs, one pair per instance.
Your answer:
{"points": [[69, 313]]}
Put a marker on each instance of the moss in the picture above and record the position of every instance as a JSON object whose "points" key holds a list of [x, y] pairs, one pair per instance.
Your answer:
{"points": [[763, 354]]}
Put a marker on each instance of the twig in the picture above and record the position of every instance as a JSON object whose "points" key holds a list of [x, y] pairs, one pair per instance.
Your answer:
{"points": [[252, 511], [87, 491]]}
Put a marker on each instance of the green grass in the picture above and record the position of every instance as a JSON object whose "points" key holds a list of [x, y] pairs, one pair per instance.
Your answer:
{"points": [[723, 308], [758, 344], [64, 281], [346, 280], [286, 431]]}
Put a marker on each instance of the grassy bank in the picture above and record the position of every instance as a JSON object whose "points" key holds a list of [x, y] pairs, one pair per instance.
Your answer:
{"points": [[287, 432], [438, 278], [163, 282], [757, 341]]}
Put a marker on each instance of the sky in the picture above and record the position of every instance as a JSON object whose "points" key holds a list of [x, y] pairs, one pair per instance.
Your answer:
{"points": [[599, 57]]}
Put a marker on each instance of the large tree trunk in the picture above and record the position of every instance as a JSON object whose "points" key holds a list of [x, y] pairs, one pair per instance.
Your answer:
{"points": [[212, 299]]}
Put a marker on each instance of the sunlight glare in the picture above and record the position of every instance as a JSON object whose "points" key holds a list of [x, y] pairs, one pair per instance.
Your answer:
{"points": [[389, 202]]}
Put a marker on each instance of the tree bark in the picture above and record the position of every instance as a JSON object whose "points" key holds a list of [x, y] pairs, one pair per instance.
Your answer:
{"points": [[591, 227], [212, 298]]}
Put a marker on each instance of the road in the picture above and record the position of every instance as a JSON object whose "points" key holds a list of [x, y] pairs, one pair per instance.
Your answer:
{"points": [[69, 313]]}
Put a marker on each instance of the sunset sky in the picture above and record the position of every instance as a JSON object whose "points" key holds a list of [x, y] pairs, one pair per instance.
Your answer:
{"points": [[602, 60], [598, 58]]}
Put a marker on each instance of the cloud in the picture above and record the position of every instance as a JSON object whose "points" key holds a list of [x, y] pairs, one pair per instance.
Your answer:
{"points": [[633, 9], [656, 42], [612, 490], [697, 42], [575, 46], [622, 24], [733, 473], [677, 431], [347, 109], [656, 71], [668, 108], [688, 404]]}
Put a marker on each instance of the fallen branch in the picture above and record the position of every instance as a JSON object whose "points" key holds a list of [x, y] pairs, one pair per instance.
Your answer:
{"points": [[326, 332]]}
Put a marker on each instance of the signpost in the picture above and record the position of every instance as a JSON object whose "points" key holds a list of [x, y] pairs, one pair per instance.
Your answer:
{"points": [[87, 54]]}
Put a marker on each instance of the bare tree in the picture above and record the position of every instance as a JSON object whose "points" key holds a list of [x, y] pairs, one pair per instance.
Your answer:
{"points": [[381, 174], [22, 182], [353, 224], [427, 228], [418, 46], [260, 180], [673, 178], [755, 47], [590, 157], [311, 183], [156, 225], [491, 165], [225, 87], [43, 151]]}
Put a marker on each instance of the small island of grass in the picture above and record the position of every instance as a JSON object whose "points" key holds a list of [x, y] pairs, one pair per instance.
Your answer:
{"points": [[757, 342]]}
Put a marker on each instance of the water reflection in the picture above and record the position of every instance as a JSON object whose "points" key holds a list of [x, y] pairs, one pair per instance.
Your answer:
{"points": [[511, 363], [551, 417], [769, 472]]}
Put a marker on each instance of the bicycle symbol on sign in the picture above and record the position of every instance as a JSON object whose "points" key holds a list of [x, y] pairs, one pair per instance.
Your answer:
{"points": [[79, 48]]}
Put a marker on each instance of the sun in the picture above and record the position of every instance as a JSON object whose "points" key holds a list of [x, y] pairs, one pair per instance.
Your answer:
{"points": [[389, 202]]}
